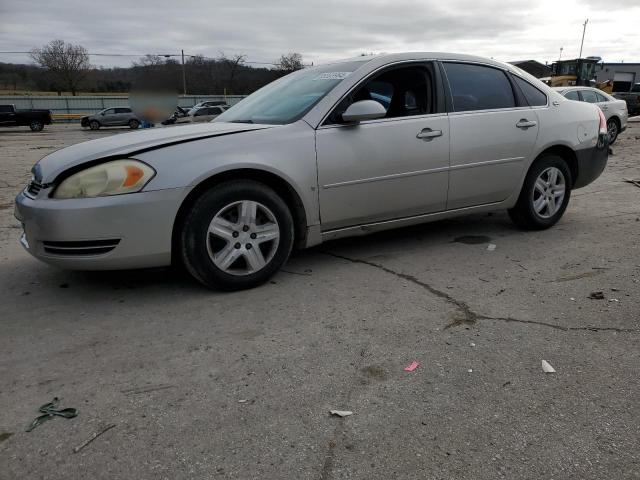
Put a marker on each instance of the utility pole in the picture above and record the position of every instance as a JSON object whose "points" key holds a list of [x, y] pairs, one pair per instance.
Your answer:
{"points": [[584, 29], [560, 57], [184, 76]]}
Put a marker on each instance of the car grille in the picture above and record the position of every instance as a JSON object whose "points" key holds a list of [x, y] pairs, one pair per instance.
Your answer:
{"points": [[34, 188], [80, 248]]}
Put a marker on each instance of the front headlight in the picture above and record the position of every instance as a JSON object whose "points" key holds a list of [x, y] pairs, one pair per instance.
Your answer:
{"points": [[110, 178]]}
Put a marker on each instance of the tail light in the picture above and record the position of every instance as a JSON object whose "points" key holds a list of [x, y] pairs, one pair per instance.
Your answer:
{"points": [[603, 123]]}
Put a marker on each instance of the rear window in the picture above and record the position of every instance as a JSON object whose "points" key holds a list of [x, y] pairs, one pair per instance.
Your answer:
{"points": [[535, 98], [589, 96], [477, 87]]}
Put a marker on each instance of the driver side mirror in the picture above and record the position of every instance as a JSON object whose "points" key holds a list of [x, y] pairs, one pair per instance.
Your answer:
{"points": [[363, 110]]}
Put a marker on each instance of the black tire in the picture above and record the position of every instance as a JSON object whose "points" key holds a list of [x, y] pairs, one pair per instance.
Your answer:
{"points": [[36, 126], [194, 239], [523, 214], [133, 124], [94, 125], [613, 130]]}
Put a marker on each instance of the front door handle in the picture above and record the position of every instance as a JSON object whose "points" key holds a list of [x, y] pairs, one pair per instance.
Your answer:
{"points": [[428, 134], [524, 123]]}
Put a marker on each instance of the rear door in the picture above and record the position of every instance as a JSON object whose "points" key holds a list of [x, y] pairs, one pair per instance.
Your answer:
{"points": [[122, 116], [492, 134]]}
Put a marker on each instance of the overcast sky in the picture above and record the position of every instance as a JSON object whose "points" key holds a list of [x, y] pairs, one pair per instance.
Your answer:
{"points": [[325, 30]]}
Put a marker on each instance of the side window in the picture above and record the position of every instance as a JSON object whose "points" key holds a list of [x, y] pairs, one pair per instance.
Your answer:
{"points": [[534, 97], [573, 95], [476, 87], [6, 109], [589, 96], [200, 112], [123, 110], [109, 111], [215, 111], [601, 98], [403, 92]]}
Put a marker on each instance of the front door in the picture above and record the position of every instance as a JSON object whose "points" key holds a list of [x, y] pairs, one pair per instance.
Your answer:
{"points": [[387, 168]]}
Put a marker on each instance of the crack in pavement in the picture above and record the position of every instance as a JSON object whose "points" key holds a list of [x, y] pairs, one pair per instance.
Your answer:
{"points": [[467, 315]]}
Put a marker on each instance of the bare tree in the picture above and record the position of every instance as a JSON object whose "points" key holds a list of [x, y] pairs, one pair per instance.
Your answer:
{"points": [[232, 64], [67, 63], [290, 62]]}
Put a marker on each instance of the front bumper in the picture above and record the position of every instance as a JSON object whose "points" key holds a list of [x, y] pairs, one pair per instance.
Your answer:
{"points": [[104, 233], [591, 162]]}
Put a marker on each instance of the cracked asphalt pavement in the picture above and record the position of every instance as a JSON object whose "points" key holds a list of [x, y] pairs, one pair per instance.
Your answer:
{"points": [[203, 384]]}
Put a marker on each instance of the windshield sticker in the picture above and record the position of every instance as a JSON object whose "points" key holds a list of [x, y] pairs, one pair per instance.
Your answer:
{"points": [[332, 76]]}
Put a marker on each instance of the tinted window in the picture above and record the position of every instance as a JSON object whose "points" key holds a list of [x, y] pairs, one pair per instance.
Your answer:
{"points": [[476, 87], [402, 92], [109, 111], [535, 97], [572, 95], [6, 108], [123, 110], [601, 98], [589, 96]]}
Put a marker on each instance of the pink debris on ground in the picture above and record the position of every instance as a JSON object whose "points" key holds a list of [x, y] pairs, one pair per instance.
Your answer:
{"points": [[411, 367]]}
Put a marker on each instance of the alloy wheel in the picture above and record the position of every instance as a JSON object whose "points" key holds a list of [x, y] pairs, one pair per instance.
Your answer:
{"points": [[243, 237], [548, 192], [612, 131]]}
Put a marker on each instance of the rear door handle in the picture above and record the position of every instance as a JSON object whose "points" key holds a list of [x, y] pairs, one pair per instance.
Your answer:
{"points": [[429, 134], [524, 123]]}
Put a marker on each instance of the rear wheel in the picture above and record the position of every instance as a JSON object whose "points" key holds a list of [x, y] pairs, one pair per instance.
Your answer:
{"points": [[36, 126], [237, 235], [133, 124], [94, 125], [612, 129], [545, 194]]}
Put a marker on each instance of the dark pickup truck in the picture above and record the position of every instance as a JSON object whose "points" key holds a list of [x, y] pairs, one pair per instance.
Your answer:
{"points": [[34, 119], [632, 98]]}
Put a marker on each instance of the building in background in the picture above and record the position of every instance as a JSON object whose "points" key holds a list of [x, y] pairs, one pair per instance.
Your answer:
{"points": [[624, 75], [532, 67]]}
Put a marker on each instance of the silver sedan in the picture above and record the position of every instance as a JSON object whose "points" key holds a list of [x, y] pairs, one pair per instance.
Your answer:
{"points": [[338, 150], [615, 110]]}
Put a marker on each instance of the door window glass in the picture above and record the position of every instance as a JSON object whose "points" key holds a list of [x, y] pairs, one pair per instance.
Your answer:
{"points": [[476, 87], [589, 96], [123, 110], [572, 95], [403, 92], [109, 111], [601, 98], [535, 97]]}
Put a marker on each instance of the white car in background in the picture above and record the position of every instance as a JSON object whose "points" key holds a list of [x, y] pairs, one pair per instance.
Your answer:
{"points": [[615, 110], [202, 114]]}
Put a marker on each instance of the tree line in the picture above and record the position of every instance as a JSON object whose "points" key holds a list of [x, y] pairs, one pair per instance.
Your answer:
{"points": [[64, 67]]}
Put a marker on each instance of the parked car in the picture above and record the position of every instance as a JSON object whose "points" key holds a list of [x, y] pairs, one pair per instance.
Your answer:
{"points": [[212, 103], [112, 117], [201, 114], [615, 111], [312, 157], [173, 118], [632, 98], [34, 119]]}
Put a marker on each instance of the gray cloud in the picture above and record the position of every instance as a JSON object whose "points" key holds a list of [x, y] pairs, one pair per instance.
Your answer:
{"points": [[320, 30]]}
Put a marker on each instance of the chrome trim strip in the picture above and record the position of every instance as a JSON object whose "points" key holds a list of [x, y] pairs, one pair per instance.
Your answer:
{"points": [[421, 172], [386, 177], [488, 162]]}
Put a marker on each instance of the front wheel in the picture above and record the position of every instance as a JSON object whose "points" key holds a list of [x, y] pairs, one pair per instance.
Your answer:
{"points": [[545, 194], [36, 126], [94, 125], [237, 235]]}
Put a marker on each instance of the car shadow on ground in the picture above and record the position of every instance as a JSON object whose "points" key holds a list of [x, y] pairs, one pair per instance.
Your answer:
{"points": [[479, 228]]}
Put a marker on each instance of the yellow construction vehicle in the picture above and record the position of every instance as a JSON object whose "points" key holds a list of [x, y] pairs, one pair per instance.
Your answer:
{"points": [[577, 72]]}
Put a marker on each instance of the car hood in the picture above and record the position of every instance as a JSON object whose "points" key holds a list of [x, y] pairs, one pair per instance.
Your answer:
{"points": [[48, 169]]}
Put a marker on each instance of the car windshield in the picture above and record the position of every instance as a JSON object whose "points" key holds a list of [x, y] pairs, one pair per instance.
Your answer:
{"points": [[289, 98]]}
